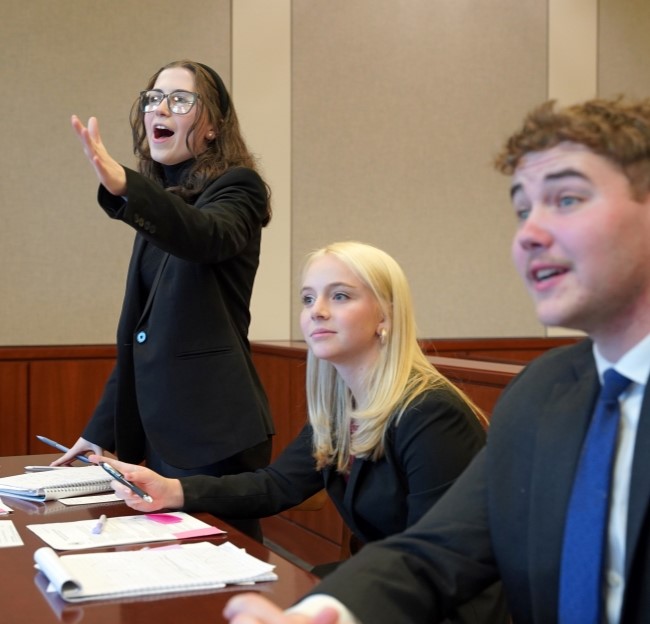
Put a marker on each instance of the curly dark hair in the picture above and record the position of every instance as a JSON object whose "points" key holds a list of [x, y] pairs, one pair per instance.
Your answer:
{"points": [[616, 129]]}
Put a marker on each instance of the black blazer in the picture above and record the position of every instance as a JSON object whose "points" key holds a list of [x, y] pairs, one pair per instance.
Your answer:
{"points": [[434, 441], [505, 514], [184, 377]]}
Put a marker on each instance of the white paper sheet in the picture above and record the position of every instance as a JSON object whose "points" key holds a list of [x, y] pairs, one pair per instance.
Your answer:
{"points": [[9, 535], [136, 529], [89, 500]]}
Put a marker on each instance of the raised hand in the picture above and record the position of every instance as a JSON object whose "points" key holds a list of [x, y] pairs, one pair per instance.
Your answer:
{"points": [[109, 172]]}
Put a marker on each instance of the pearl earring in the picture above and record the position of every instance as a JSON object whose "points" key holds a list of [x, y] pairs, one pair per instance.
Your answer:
{"points": [[383, 335]]}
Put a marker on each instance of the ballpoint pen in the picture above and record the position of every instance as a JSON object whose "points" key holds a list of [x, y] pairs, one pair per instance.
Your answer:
{"points": [[118, 476], [101, 523], [60, 447]]}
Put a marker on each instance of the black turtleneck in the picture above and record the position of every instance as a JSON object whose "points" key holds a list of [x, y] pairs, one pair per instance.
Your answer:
{"points": [[175, 173]]}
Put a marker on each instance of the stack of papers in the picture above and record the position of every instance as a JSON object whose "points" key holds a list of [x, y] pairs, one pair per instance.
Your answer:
{"points": [[168, 569]]}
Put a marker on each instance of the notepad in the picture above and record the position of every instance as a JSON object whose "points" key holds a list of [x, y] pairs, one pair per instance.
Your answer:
{"points": [[55, 484], [181, 568]]}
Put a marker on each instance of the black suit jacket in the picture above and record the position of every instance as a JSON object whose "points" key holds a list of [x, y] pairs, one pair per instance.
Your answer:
{"points": [[505, 514], [184, 377], [434, 441]]}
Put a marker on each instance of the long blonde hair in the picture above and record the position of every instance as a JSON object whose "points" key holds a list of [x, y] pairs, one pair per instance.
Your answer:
{"points": [[402, 371]]}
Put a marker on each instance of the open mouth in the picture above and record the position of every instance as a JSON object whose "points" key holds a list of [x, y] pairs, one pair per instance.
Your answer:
{"points": [[545, 274], [160, 132]]}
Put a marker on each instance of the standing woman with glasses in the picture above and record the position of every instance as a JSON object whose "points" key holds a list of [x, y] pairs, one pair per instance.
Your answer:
{"points": [[184, 395]]}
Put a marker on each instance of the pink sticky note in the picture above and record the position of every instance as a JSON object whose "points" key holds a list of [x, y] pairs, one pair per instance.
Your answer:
{"points": [[164, 518], [198, 532]]}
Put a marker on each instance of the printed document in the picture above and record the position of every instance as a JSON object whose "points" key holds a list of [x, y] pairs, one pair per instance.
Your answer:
{"points": [[136, 529]]}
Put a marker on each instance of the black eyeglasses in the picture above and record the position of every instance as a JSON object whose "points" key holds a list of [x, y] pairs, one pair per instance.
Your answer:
{"points": [[179, 102]]}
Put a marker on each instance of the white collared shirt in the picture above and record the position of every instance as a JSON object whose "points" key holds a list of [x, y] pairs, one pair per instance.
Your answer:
{"points": [[635, 365]]}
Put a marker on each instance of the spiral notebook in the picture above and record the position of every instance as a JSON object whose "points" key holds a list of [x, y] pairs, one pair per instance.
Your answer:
{"points": [[56, 484], [198, 566]]}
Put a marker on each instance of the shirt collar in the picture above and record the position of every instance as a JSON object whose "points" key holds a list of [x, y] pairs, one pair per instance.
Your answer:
{"points": [[635, 364]]}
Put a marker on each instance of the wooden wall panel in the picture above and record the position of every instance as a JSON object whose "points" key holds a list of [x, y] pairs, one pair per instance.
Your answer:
{"points": [[49, 391], [507, 350], [62, 396], [482, 381], [13, 408], [52, 391], [276, 378]]}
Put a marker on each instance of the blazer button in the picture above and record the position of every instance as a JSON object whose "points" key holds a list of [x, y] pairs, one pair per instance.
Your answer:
{"points": [[141, 337]]}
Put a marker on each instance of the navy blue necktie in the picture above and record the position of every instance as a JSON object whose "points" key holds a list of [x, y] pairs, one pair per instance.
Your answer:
{"points": [[585, 531]]}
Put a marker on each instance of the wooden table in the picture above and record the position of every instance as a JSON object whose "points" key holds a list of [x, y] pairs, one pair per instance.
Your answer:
{"points": [[22, 588]]}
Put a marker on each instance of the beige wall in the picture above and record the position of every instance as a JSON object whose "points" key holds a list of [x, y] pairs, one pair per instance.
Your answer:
{"points": [[397, 109], [624, 48], [373, 119], [63, 262]]}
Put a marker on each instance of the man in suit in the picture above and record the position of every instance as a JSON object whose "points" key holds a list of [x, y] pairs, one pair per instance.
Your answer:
{"points": [[581, 194]]}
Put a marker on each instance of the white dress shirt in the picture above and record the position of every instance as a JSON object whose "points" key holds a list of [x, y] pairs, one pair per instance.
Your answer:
{"points": [[635, 365]]}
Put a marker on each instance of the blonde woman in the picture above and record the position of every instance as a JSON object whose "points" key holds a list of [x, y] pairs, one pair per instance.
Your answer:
{"points": [[387, 433]]}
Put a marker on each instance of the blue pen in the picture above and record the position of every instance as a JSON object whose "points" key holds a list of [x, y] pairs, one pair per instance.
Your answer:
{"points": [[60, 447]]}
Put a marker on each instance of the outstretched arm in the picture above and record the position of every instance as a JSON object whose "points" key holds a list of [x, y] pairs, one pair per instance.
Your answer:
{"points": [[109, 172]]}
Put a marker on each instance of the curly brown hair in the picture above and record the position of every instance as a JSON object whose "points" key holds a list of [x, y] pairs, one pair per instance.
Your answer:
{"points": [[616, 129], [227, 150]]}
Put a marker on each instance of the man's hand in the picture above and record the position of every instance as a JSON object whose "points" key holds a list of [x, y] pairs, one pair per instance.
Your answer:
{"points": [[250, 608]]}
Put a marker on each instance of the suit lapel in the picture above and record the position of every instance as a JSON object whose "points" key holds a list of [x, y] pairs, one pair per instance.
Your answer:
{"points": [[133, 278], [154, 286], [561, 429], [342, 493]]}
